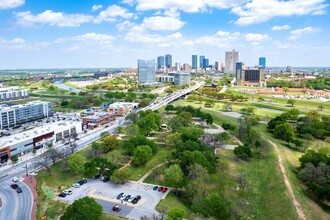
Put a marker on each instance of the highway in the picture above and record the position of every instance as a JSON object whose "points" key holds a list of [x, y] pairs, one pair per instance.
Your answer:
{"points": [[22, 203]]}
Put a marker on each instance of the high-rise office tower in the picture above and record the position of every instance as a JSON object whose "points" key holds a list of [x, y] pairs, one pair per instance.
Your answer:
{"points": [[160, 62], [231, 59], [205, 63], [168, 60], [194, 62], [217, 67], [239, 71], [262, 62], [146, 71], [178, 66], [201, 58]]}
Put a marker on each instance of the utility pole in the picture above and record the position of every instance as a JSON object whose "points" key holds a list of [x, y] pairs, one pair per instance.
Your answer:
{"points": [[26, 169]]}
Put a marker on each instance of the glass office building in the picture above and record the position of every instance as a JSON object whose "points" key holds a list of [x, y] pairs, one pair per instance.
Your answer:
{"points": [[146, 71]]}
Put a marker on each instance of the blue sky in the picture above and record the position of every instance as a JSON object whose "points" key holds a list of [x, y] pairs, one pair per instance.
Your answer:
{"points": [[108, 33]]}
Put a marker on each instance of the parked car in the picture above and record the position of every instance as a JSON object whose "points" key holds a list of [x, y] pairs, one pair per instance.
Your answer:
{"points": [[136, 199], [82, 181], [146, 187], [116, 208], [62, 195], [19, 190], [15, 179], [160, 189], [96, 176], [131, 199], [76, 185], [120, 195], [14, 186], [127, 198], [155, 188], [67, 192], [164, 190], [105, 178]]}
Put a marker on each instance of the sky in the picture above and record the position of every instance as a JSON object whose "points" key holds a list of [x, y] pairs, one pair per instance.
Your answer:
{"points": [[109, 33]]}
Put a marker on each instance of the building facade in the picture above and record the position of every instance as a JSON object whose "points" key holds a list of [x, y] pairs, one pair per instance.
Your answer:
{"points": [[160, 62], [146, 71], [205, 63], [262, 62], [24, 142], [164, 78], [181, 78], [122, 108], [10, 94], [97, 120], [11, 116], [194, 62], [239, 71], [231, 57], [201, 58], [251, 77], [168, 60]]}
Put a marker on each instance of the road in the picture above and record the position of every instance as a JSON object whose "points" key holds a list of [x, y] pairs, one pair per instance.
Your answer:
{"points": [[61, 85], [26, 198]]}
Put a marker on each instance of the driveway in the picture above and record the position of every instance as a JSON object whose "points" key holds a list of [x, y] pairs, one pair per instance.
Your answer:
{"points": [[106, 194]]}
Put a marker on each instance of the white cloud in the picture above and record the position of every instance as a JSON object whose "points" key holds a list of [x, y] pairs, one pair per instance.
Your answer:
{"points": [[52, 18], [125, 25], [184, 5], [298, 33], [128, 2], [281, 28], [250, 37], [96, 7], [220, 39], [162, 23], [138, 34], [258, 11], [101, 38], [282, 45], [6, 4], [112, 12]]}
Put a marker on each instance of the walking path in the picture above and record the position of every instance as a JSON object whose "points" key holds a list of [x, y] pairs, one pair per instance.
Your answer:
{"points": [[149, 172], [295, 202], [31, 182]]}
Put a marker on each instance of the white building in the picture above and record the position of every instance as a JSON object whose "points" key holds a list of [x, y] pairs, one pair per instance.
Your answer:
{"points": [[8, 94], [231, 59], [164, 78], [26, 141], [181, 78]]}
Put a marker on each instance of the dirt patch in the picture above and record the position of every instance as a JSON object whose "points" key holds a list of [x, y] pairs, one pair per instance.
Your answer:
{"points": [[295, 202]]}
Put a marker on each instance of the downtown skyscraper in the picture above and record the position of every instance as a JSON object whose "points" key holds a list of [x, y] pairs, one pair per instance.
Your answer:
{"points": [[168, 60], [262, 62], [194, 62], [160, 62], [146, 71], [201, 58]]}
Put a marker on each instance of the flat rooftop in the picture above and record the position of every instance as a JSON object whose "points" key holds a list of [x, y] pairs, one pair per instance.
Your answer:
{"points": [[7, 107], [36, 132]]}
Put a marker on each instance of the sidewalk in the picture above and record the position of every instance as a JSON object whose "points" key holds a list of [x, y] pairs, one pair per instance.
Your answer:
{"points": [[31, 182]]}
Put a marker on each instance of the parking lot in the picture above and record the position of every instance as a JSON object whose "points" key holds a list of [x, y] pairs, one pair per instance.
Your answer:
{"points": [[106, 194]]}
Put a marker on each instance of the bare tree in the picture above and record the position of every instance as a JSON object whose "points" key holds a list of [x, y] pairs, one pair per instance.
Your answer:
{"points": [[242, 180], [213, 140], [43, 161], [72, 145], [53, 154]]}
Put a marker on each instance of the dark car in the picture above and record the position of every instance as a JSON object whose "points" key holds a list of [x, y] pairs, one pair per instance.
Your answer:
{"points": [[105, 178], [160, 189], [164, 190], [127, 198], [14, 186], [116, 208], [155, 188], [19, 190], [62, 195], [96, 176], [82, 182], [136, 199], [120, 195]]}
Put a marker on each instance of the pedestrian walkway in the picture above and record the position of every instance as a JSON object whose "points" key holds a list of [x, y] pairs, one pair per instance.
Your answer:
{"points": [[31, 182]]}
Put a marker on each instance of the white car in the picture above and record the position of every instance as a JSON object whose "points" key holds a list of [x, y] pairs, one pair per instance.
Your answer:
{"points": [[146, 187], [68, 192], [15, 179], [131, 198], [122, 197], [76, 185]]}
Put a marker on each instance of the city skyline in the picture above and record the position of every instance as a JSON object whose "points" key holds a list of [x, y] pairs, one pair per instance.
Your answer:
{"points": [[93, 34]]}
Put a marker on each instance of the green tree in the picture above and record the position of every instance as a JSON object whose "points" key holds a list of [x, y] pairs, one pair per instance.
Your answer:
{"points": [[173, 176], [243, 152], [175, 214], [99, 165], [285, 131], [314, 116], [96, 148], [109, 143], [216, 206], [143, 103], [104, 134], [142, 154], [76, 163], [291, 102], [321, 107], [227, 106], [174, 140], [84, 208], [119, 176], [64, 103], [131, 130]]}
